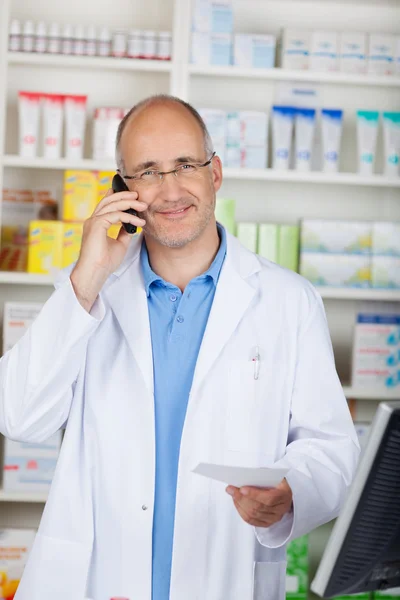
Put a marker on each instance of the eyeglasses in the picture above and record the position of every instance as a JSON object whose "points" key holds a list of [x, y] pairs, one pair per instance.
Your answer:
{"points": [[152, 178]]}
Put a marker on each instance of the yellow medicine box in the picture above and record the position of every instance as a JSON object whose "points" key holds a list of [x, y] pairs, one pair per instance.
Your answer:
{"points": [[72, 240], [104, 183], [80, 195], [45, 246]]}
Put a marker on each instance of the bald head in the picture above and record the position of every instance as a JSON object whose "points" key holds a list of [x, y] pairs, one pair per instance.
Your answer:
{"points": [[151, 105]]}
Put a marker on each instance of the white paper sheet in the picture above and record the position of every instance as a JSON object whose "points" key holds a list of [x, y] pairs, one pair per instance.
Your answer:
{"points": [[241, 476]]}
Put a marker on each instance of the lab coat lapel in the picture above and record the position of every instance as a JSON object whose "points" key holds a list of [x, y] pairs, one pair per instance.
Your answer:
{"points": [[232, 298], [128, 300]]}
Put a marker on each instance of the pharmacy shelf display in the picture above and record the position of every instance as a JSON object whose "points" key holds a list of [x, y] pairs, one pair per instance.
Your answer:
{"points": [[313, 177], [88, 62], [227, 88], [280, 74], [327, 293]]}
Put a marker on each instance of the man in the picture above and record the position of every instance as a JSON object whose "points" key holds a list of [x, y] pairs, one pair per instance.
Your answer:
{"points": [[161, 352]]}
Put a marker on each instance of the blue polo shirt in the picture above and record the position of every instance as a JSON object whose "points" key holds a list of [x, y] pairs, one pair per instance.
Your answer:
{"points": [[177, 321]]}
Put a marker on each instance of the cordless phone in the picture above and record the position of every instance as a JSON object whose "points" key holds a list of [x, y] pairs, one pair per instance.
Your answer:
{"points": [[119, 185]]}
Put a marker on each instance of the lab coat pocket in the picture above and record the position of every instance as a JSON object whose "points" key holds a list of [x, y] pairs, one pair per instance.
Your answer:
{"points": [[245, 422], [56, 568], [269, 580]]}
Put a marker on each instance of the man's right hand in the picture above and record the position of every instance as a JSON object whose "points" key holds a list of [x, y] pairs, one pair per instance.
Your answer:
{"points": [[101, 255]]}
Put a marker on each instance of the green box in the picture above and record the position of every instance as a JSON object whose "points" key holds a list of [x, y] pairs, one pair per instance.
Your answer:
{"points": [[288, 253], [225, 209], [297, 569], [268, 241], [247, 235]]}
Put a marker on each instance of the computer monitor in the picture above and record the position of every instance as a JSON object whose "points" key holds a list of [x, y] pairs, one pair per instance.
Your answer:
{"points": [[363, 551]]}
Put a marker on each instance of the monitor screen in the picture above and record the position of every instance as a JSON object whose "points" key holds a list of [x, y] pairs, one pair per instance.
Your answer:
{"points": [[363, 552]]}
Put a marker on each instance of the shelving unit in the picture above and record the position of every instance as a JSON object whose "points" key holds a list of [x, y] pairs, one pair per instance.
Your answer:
{"points": [[279, 74], [25, 278], [88, 62], [262, 195], [352, 179], [23, 497]]}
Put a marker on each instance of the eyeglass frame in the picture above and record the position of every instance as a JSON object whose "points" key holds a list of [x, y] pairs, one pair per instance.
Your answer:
{"points": [[163, 173]]}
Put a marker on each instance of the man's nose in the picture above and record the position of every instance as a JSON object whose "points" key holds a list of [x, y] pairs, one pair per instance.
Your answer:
{"points": [[171, 188]]}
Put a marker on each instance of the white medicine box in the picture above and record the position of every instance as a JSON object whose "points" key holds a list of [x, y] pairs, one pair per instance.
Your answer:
{"points": [[18, 317], [212, 16], [254, 51], [353, 52], [30, 467], [324, 51], [296, 46], [381, 54]]}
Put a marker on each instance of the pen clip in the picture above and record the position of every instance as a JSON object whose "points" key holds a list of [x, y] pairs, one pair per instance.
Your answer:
{"points": [[256, 361]]}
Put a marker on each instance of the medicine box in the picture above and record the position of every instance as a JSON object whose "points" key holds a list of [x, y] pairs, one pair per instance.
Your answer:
{"points": [[225, 209], [296, 45], [221, 49], [45, 246], [353, 52], [216, 122], [324, 51], [246, 128], [381, 54], [212, 16], [288, 247], [211, 49], [253, 128], [80, 195], [376, 347], [297, 569], [246, 157], [386, 239], [18, 317], [340, 270], [72, 241], [385, 272], [15, 546], [104, 183], [30, 467], [254, 51], [268, 241], [336, 237], [247, 235], [254, 157], [233, 156]]}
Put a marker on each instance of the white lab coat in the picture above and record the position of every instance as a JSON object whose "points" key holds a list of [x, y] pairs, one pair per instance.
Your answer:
{"points": [[94, 373]]}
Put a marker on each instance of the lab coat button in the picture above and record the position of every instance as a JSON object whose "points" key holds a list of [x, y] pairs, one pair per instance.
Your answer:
{"points": [[144, 507]]}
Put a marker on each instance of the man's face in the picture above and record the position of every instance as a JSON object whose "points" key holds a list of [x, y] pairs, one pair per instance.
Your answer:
{"points": [[180, 209]]}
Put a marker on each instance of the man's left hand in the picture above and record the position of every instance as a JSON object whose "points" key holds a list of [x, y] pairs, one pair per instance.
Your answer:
{"points": [[262, 507]]}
